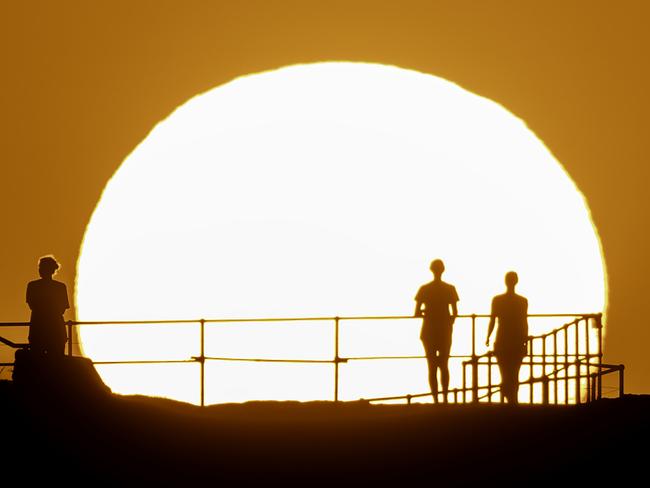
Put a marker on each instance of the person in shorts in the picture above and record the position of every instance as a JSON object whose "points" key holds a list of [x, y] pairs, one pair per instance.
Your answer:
{"points": [[436, 303], [511, 312]]}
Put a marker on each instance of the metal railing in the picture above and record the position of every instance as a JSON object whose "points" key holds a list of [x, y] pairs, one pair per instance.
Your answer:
{"points": [[565, 363], [562, 362]]}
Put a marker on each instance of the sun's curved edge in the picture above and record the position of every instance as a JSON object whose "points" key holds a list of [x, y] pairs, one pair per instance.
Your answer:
{"points": [[337, 62]]}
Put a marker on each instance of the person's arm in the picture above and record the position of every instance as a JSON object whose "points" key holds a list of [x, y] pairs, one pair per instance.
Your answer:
{"points": [[526, 320], [418, 308], [490, 325], [418, 304], [28, 296], [454, 307], [65, 304]]}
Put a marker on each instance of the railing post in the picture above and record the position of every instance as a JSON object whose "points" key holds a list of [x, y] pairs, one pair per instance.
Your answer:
{"points": [[489, 379], [474, 362], [566, 364], [545, 400], [588, 346], [336, 358], [621, 381], [531, 374], [69, 324], [464, 382], [599, 324], [555, 375], [544, 385], [577, 362], [202, 360], [594, 380], [473, 335]]}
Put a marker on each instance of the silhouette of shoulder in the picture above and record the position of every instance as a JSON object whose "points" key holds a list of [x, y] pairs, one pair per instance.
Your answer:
{"points": [[436, 297], [512, 312], [437, 291], [47, 294], [508, 301]]}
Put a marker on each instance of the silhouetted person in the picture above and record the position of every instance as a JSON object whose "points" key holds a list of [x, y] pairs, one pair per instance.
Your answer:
{"points": [[48, 300], [439, 313], [511, 310]]}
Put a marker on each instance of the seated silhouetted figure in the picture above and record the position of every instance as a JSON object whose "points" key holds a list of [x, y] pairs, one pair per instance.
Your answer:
{"points": [[433, 302], [511, 311], [48, 300]]}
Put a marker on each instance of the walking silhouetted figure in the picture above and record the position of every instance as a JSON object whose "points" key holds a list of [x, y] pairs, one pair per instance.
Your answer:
{"points": [[511, 310], [48, 300], [439, 313]]}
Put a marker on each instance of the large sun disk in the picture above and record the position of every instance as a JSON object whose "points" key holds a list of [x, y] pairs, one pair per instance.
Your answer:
{"points": [[323, 190]]}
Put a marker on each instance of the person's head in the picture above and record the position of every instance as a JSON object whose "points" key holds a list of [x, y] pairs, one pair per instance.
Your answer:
{"points": [[47, 266], [511, 280], [437, 267]]}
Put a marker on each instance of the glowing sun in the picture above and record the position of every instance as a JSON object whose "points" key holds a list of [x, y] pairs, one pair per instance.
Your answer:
{"points": [[320, 190]]}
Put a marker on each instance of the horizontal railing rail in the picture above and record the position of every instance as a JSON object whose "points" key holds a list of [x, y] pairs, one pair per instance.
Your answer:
{"points": [[291, 319], [587, 365], [13, 345]]}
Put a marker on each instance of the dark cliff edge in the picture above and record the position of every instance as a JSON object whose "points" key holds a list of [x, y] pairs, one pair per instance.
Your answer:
{"points": [[77, 432]]}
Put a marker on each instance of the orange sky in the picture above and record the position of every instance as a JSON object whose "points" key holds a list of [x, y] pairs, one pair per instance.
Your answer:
{"points": [[83, 83]]}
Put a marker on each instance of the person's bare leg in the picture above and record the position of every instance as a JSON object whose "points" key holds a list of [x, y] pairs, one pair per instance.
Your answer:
{"points": [[444, 377], [509, 378], [516, 366], [433, 377], [503, 371]]}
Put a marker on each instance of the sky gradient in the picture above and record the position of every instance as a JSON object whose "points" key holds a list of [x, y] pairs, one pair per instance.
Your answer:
{"points": [[83, 83]]}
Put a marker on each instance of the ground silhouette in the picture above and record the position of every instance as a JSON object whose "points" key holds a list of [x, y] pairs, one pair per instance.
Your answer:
{"points": [[83, 436]]}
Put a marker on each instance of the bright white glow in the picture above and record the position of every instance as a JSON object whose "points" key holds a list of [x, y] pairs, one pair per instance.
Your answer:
{"points": [[321, 190]]}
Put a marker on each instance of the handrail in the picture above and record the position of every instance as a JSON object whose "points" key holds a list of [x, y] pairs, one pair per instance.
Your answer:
{"points": [[559, 361], [610, 368], [530, 340], [13, 344], [288, 319]]}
